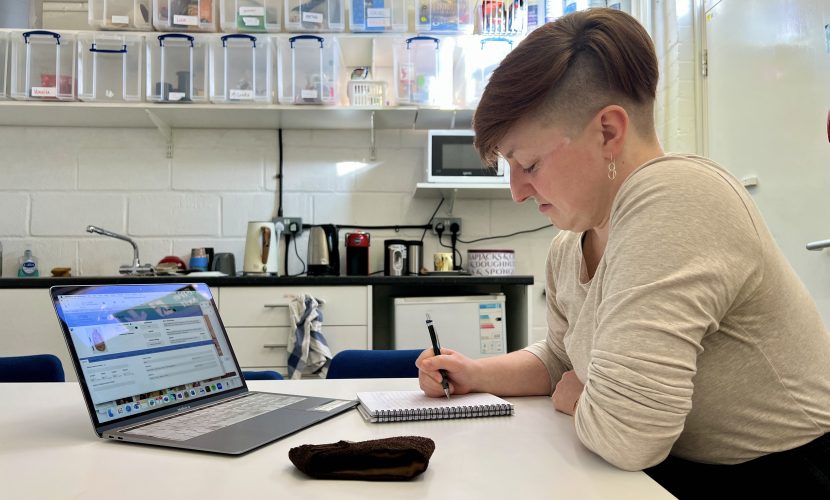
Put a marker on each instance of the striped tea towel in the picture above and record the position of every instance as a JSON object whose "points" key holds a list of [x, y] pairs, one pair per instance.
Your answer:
{"points": [[308, 351]]}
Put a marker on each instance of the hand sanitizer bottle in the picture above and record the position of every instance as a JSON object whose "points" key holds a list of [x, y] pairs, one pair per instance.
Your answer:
{"points": [[28, 266]]}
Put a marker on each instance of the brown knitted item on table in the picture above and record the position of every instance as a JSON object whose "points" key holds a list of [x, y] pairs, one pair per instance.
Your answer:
{"points": [[387, 459]]}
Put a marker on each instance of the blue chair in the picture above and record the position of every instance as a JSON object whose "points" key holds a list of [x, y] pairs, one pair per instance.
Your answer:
{"points": [[357, 363], [262, 375], [32, 368]]}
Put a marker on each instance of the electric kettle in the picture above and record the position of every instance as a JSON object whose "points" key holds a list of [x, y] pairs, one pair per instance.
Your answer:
{"points": [[323, 254], [261, 248]]}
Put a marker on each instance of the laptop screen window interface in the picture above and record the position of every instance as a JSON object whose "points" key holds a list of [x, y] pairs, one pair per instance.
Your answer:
{"points": [[145, 348]]}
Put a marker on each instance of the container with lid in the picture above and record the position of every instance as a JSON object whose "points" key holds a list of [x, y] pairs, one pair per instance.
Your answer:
{"points": [[184, 15], [43, 65], [110, 66], [378, 16], [177, 68], [120, 14], [315, 15], [250, 16], [243, 68], [310, 65]]}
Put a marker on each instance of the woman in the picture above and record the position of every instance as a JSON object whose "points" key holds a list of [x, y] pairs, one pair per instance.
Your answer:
{"points": [[678, 335]]}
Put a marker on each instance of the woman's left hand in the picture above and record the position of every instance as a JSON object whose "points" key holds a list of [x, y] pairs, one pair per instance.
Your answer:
{"points": [[567, 393]]}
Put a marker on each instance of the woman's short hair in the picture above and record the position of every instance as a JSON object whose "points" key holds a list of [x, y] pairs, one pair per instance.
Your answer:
{"points": [[564, 72]]}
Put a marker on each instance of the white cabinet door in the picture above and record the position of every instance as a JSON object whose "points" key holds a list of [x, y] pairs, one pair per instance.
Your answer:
{"points": [[30, 326], [259, 348], [259, 323], [268, 306]]}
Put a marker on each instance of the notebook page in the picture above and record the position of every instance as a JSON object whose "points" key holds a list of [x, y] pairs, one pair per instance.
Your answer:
{"points": [[404, 400]]}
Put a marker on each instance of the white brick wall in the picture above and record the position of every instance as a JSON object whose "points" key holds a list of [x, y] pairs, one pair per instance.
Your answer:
{"points": [[56, 181]]}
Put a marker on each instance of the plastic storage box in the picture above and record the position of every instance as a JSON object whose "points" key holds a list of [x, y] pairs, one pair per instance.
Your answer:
{"points": [[121, 14], [378, 15], [242, 68], [478, 57], [177, 68], [444, 16], [43, 65], [184, 15], [310, 66], [250, 16], [502, 17], [423, 71], [315, 15], [4, 65], [109, 67]]}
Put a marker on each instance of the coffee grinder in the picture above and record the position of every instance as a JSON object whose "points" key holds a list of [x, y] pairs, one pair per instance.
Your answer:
{"points": [[357, 254]]}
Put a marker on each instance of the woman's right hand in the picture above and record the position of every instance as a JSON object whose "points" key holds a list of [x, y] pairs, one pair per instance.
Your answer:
{"points": [[460, 372]]}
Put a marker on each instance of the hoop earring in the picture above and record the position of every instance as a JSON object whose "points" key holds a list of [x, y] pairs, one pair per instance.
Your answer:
{"points": [[612, 169]]}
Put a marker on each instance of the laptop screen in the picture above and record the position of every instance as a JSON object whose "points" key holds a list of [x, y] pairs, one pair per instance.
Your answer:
{"points": [[143, 348]]}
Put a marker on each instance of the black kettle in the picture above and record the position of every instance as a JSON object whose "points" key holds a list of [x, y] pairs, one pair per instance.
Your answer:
{"points": [[323, 254]]}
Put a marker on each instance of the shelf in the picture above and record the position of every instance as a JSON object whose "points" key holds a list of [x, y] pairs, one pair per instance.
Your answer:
{"points": [[452, 192], [244, 116]]}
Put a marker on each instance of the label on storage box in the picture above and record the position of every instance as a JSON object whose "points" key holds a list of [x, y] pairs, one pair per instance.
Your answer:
{"points": [[44, 92], [120, 19], [186, 20], [308, 94], [252, 11], [239, 94], [175, 96], [375, 12], [377, 22], [312, 17], [251, 18]]}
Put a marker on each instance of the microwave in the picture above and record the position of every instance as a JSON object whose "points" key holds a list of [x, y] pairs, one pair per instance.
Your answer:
{"points": [[451, 157]]}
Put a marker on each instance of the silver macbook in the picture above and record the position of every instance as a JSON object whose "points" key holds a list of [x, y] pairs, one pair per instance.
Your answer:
{"points": [[156, 367]]}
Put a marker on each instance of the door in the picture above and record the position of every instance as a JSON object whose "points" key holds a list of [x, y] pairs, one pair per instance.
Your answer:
{"points": [[767, 100]]}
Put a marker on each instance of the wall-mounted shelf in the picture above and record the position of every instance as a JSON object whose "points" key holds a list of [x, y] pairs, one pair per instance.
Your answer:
{"points": [[451, 192], [134, 115]]}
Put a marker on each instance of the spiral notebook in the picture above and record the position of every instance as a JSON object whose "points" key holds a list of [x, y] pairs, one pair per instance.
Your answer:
{"points": [[399, 406]]}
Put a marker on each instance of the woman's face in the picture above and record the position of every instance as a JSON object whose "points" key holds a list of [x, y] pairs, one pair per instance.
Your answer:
{"points": [[566, 176]]}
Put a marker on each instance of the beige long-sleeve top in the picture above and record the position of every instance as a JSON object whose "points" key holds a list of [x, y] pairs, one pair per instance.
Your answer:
{"points": [[694, 337]]}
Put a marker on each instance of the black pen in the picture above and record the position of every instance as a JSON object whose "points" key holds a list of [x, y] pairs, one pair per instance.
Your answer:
{"points": [[436, 349]]}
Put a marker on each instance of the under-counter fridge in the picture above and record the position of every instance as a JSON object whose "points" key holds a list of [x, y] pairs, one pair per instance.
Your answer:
{"points": [[474, 325]]}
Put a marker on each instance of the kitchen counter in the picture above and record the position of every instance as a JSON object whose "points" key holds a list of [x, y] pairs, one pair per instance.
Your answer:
{"points": [[405, 281]]}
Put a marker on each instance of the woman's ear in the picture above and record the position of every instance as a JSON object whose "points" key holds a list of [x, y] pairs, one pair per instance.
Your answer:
{"points": [[615, 122]]}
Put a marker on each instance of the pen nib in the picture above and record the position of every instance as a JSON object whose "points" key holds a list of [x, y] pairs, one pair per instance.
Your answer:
{"points": [[447, 392]]}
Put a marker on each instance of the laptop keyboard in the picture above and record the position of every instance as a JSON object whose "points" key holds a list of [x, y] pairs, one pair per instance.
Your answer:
{"points": [[199, 422]]}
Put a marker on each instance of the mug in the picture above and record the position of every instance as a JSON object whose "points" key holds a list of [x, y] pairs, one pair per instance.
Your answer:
{"points": [[442, 261]]}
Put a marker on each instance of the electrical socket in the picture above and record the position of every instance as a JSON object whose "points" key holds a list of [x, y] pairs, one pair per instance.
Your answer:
{"points": [[292, 225], [445, 222]]}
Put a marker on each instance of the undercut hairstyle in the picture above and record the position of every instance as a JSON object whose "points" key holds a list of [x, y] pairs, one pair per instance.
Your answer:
{"points": [[565, 72]]}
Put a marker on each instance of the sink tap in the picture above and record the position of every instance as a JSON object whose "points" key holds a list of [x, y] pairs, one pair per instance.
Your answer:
{"points": [[136, 267]]}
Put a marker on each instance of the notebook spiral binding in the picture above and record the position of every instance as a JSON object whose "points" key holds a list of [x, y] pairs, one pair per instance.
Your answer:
{"points": [[408, 414]]}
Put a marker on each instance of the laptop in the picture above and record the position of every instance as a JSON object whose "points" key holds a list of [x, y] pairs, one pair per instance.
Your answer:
{"points": [[156, 366]]}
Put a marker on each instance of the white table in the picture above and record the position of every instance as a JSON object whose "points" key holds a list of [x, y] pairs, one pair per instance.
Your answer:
{"points": [[48, 450]]}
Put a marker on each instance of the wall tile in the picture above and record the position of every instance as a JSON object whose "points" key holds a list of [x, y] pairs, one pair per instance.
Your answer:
{"points": [[15, 210], [308, 169], [223, 169], [371, 209], [35, 165], [239, 209], [123, 169], [68, 214], [174, 214]]}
